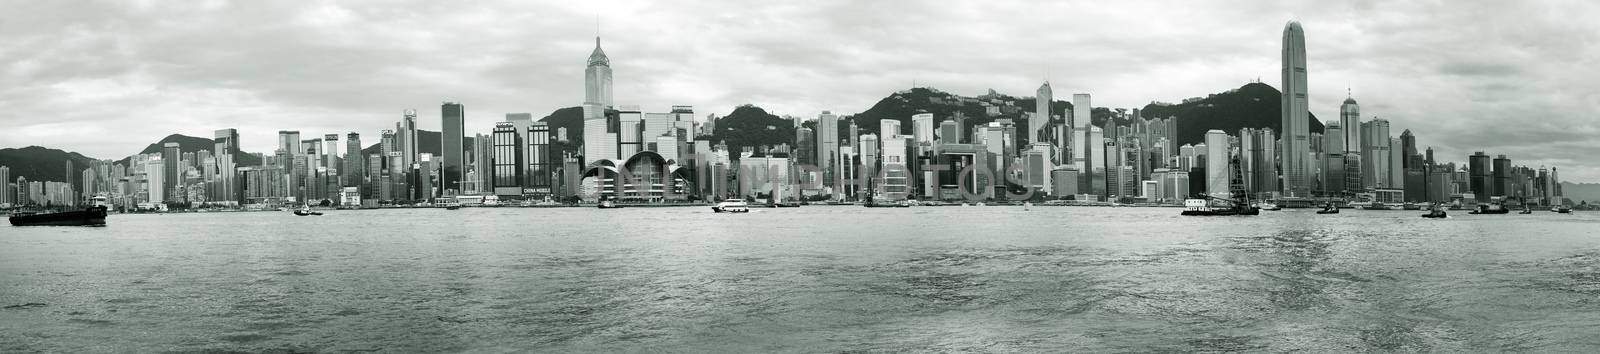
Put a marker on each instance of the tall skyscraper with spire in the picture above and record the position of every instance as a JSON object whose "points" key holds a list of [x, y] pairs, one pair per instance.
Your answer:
{"points": [[1296, 115], [599, 140], [1041, 112], [1350, 118], [597, 77]]}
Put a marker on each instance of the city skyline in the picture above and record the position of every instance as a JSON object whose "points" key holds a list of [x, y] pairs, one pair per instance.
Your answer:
{"points": [[215, 89]]}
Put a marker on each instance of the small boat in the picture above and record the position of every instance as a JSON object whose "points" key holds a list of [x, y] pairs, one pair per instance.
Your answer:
{"points": [[1328, 209], [90, 216], [1411, 206], [452, 207], [1563, 209], [307, 212], [787, 205], [1436, 213], [1377, 206], [731, 206], [1526, 211], [1202, 207], [1271, 207], [1491, 208]]}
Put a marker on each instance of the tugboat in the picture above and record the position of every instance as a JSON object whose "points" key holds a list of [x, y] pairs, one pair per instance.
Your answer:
{"points": [[608, 203], [1328, 209], [306, 211], [90, 216], [731, 206], [1435, 212]]}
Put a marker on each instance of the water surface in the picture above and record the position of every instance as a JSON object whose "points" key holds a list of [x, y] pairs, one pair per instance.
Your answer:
{"points": [[806, 279]]}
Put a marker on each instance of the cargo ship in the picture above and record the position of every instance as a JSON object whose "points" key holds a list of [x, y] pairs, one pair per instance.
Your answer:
{"points": [[90, 216]]}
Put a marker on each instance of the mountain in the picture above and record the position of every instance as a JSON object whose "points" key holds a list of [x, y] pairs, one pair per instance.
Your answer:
{"points": [[1581, 191], [570, 118], [193, 144], [1254, 105], [427, 143], [902, 105], [42, 164], [749, 125]]}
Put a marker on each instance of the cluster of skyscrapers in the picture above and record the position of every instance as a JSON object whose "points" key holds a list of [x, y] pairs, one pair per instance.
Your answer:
{"points": [[627, 154]]}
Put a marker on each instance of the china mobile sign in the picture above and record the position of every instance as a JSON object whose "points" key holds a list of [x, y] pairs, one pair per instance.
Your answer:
{"points": [[749, 176]]}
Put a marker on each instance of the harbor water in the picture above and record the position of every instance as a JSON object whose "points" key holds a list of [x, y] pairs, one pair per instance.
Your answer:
{"points": [[809, 279]]}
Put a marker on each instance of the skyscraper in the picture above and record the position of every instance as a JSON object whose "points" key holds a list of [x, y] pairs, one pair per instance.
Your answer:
{"points": [[1217, 171], [289, 142], [1041, 113], [7, 192], [599, 133], [170, 164], [1408, 150], [1296, 114], [1376, 155], [354, 161], [597, 78], [1479, 178], [1350, 119], [406, 134], [452, 163], [1079, 143], [828, 147]]}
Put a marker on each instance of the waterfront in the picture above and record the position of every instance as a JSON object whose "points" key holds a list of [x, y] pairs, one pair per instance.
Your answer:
{"points": [[814, 278]]}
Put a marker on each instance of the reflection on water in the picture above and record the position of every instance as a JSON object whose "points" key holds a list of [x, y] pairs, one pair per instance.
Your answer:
{"points": [[807, 279]]}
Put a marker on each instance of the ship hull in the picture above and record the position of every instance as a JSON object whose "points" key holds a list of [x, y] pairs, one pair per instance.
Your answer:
{"points": [[92, 216]]}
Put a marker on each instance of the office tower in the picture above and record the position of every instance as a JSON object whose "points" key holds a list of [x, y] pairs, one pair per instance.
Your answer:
{"points": [[1479, 176], [1296, 125], [895, 169], [226, 141], [597, 78], [922, 130], [1350, 119], [522, 122], [1333, 136], [155, 180], [170, 160], [1041, 113], [542, 162], [1408, 151], [1217, 171], [354, 161], [289, 142], [506, 160], [1501, 175], [406, 135], [1376, 155], [1257, 159], [7, 192], [1079, 121], [949, 133], [452, 163], [1397, 174], [828, 148]]}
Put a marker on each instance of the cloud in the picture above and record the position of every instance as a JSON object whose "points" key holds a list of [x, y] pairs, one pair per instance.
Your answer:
{"points": [[105, 78]]}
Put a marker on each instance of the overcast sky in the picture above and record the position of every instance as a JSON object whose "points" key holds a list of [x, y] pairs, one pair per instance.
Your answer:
{"points": [[1520, 78]]}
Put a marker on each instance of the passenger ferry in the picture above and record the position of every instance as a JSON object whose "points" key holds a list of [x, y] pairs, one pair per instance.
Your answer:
{"points": [[731, 206]]}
